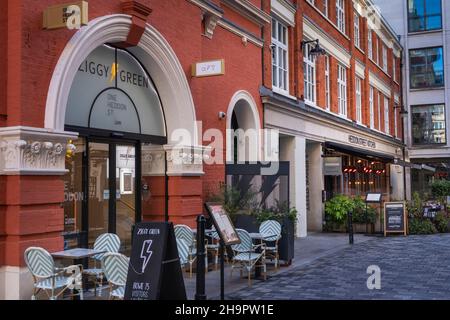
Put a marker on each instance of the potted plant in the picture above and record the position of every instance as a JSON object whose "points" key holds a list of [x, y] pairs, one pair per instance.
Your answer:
{"points": [[363, 216], [336, 211]]}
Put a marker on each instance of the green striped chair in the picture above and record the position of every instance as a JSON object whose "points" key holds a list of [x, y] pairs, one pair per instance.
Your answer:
{"points": [[185, 233], [108, 242], [115, 269], [271, 232], [183, 252], [49, 278], [246, 255]]}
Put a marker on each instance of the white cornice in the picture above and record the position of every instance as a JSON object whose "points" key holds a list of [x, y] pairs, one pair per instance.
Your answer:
{"points": [[329, 44], [379, 84], [249, 10], [360, 69], [205, 7], [284, 11], [244, 35]]}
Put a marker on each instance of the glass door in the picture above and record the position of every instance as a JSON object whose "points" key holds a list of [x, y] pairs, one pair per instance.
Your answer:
{"points": [[98, 188], [125, 195]]}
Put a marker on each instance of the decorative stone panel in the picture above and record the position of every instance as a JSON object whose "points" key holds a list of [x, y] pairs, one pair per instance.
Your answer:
{"points": [[33, 151]]}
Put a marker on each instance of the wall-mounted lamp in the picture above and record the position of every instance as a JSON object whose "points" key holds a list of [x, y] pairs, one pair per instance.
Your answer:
{"points": [[316, 51], [403, 112]]}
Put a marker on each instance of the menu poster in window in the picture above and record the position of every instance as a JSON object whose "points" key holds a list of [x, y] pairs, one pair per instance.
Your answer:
{"points": [[394, 218], [154, 272], [223, 224]]}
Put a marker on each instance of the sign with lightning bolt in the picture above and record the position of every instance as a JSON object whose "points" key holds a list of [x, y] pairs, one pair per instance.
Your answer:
{"points": [[146, 253], [154, 270]]}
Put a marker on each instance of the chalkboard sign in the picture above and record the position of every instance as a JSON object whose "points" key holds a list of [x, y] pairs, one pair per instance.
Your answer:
{"points": [[222, 223], [154, 272], [395, 218]]}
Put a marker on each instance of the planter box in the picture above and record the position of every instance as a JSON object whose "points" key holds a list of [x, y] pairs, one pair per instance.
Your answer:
{"points": [[286, 243], [247, 222]]}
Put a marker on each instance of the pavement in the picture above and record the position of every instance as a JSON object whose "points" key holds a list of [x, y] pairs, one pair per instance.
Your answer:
{"points": [[306, 251], [412, 268]]}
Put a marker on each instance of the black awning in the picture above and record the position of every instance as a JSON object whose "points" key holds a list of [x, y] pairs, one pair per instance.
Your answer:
{"points": [[362, 153]]}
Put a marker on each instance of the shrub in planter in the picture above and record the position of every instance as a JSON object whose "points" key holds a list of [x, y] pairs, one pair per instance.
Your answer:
{"points": [[336, 210], [359, 212], [441, 222], [421, 226]]}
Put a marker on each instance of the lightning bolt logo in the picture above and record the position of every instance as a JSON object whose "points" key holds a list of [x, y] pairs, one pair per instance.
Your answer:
{"points": [[114, 68], [146, 253]]}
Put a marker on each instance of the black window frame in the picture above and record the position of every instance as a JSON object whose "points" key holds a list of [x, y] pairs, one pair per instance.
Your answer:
{"points": [[437, 144], [410, 73], [425, 17]]}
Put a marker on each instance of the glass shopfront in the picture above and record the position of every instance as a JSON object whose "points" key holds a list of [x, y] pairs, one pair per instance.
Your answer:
{"points": [[116, 172], [357, 176], [425, 171]]}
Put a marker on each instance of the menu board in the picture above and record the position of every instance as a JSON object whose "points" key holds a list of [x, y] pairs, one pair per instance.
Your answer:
{"points": [[222, 223], [395, 218], [373, 197]]}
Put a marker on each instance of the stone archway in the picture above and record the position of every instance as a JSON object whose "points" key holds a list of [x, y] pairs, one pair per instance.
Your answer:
{"points": [[155, 54], [243, 110]]}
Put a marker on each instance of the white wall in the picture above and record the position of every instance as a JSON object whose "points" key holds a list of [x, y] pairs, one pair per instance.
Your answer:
{"points": [[316, 185]]}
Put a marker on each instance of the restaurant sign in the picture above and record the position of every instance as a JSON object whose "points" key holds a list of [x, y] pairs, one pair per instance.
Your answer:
{"points": [[362, 142]]}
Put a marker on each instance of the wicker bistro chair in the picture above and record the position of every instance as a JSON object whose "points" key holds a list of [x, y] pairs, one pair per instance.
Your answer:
{"points": [[108, 242], [245, 255], [49, 278], [183, 252], [185, 233], [271, 232], [115, 268]]}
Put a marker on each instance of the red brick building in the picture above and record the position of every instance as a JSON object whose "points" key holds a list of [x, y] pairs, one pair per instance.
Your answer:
{"points": [[86, 112], [335, 98]]}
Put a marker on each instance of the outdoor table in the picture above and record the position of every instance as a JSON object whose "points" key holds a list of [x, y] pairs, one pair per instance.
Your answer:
{"points": [[76, 254]]}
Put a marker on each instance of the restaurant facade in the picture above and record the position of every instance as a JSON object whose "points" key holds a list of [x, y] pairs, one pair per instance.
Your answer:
{"points": [[103, 125]]}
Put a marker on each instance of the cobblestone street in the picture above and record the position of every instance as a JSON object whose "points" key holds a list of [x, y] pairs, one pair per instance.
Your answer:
{"points": [[416, 267]]}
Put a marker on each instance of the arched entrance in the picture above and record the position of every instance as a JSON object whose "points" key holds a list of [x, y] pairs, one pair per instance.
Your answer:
{"points": [[243, 128], [125, 106]]}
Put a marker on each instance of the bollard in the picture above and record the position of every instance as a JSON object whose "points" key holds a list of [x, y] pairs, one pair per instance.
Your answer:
{"points": [[200, 283], [350, 227]]}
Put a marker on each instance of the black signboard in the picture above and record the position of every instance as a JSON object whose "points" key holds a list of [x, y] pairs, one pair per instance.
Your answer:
{"points": [[394, 218], [223, 224], [154, 272]]}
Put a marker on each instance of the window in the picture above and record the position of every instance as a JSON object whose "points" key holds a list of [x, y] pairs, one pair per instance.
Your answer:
{"points": [[309, 70], [426, 68], [340, 15], [371, 109], [325, 7], [279, 55], [356, 30], [327, 82], [358, 100], [394, 69], [424, 15], [395, 120], [379, 110], [369, 44], [385, 61], [386, 115], [377, 51], [342, 90], [428, 124]]}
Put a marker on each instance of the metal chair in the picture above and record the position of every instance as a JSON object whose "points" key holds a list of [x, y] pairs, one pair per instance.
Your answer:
{"points": [[184, 232], [271, 232], [115, 269], [246, 256], [49, 278], [108, 242]]}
